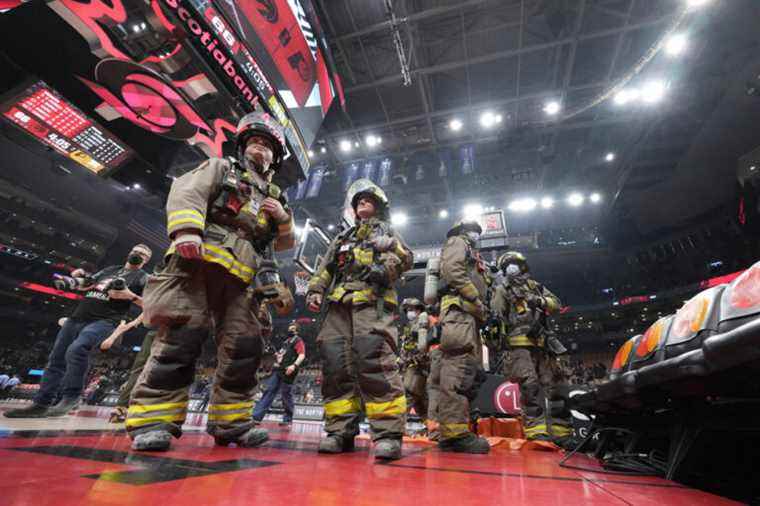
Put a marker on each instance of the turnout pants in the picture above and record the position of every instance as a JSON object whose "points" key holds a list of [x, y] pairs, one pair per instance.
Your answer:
{"points": [[537, 373], [460, 372], [137, 366], [181, 300], [434, 384], [415, 386], [360, 372]]}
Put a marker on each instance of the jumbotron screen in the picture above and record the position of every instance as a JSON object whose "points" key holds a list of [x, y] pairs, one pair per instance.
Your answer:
{"points": [[55, 122]]}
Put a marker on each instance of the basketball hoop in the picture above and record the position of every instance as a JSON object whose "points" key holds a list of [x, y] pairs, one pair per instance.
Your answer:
{"points": [[301, 280]]}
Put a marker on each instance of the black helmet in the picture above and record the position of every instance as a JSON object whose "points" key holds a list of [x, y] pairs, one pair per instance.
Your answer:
{"points": [[263, 125], [512, 257], [463, 226], [364, 188]]}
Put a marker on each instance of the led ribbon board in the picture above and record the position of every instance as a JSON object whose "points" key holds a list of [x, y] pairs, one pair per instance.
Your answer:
{"points": [[43, 113]]}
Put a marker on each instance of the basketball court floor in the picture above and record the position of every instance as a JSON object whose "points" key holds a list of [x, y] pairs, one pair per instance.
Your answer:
{"points": [[83, 459]]}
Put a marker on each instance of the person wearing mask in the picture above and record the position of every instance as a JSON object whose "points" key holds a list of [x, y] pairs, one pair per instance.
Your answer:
{"points": [[358, 338], [288, 360], [108, 295], [223, 218]]}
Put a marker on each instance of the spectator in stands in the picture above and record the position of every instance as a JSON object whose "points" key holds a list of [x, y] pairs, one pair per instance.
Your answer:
{"points": [[94, 319]]}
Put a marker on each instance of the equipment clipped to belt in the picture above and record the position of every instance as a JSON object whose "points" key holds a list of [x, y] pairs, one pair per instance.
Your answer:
{"points": [[236, 189], [269, 288]]}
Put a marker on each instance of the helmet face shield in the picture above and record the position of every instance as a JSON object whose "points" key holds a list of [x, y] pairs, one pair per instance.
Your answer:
{"points": [[365, 187], [264, 126]]}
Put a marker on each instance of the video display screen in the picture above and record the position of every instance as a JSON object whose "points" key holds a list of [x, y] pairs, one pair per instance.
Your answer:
{"points": [[46, 115]]}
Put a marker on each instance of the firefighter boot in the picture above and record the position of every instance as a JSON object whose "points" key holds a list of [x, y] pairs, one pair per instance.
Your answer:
{"points": [[252, 438], [153, 441], [388, 449], [336, 444], [467, 444]]}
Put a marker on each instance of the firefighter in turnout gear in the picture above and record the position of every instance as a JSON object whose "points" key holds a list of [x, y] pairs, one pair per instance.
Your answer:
{"points": [[465, 280], [415, 362], [522, 304], [354, 286], [223, 218]]}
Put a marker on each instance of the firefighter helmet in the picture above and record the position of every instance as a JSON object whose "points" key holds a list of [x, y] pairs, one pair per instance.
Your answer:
{"points": [[364, 188], [512, 257], [463, 226], [412, 302], [262, 125]]}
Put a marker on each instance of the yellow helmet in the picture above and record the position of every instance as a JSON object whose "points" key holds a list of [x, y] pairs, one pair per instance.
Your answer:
{"points": [[512, 257], [365, 187]]}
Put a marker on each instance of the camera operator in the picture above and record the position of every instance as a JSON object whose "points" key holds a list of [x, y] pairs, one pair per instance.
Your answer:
{"points": [[108, 296]]}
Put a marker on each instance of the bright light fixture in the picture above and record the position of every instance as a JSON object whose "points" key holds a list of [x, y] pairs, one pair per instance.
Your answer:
{"points": [[323, 150], [472, 211], [330, 227], [311, 154], [547, 202], [552, 108], [627, 95], [487, 119], [697, 3], [135, 28], [575, 199], [595, 198], [610, 157], [372, 140], [356, 144], [443, 214], [456, 124], [399, 219], [522, 205], [136, 186], [345, 145], [675, 44], [653, 91]]}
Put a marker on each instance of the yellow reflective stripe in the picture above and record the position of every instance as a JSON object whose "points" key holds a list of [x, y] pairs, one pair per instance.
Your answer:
{"points": [[536, 430], [135, 422], [552, 304], [145, 408], [230, 407], [368, 295], [453, 429], [227, 255], [343, 407], [363, 256], [523, 340], [337, 294], [185, 212], [561, 430], [229, 418], [194, 221], [382, 409]]}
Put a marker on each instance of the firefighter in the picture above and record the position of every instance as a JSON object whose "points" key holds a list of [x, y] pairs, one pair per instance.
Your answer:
{"points": [[415, 362], [465, 281], [522, 304], [223, 218], [358, 339]]}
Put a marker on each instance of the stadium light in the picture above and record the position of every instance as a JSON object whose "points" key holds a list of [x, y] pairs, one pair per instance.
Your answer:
{"points": [[653, 91], [456, 124], [345, 145], [489, 119], [610, 157], [547, 202], [136, 186], [697, 3], [627, 95], [373, 140], [575, 199], [595, 198], [472, 211], [356, 144], [330, 227], [552, 108], [443, 214], [311, 154], [399, 219], [522, 205], [675, 44], [323, 150]]}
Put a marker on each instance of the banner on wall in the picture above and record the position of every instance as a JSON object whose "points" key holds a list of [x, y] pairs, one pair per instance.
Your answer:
{"points": [[368, 170], [315, 181], [384, 172], [467, 159], [351, 175]]}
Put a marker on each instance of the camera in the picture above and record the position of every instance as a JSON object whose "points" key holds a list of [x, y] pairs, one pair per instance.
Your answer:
{"points": [[116, 284], [62, 282]]}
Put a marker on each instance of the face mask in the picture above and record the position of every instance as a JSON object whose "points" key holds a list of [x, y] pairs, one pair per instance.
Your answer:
{"points": [[513, 270], [473, 236], [134, 260], [411, 315]]}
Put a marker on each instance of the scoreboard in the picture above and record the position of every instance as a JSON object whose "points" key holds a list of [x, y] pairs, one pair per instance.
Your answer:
{"points": [[46, 115]]}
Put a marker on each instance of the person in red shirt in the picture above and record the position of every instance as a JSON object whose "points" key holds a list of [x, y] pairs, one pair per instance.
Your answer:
{"points": [[289, 358]]}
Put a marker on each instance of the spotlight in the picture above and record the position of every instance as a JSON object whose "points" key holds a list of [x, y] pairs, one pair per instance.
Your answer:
{"points": [[331, 227], [610, 157], [472, 211], [311, 154], [399, 219], [455, 124], [136, 186], [575, 199], [372, 140], [552, 108], [323, 150], [697, 3], [547, 202], [595, 198], [487, 119], [356, 144], [625, 96], [443, 214], [675, 45], [522, 205], [653, 91], [345, 146]]}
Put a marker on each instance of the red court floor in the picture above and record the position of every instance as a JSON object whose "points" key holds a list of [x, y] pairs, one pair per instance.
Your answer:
{"points": [[62, 467]]}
